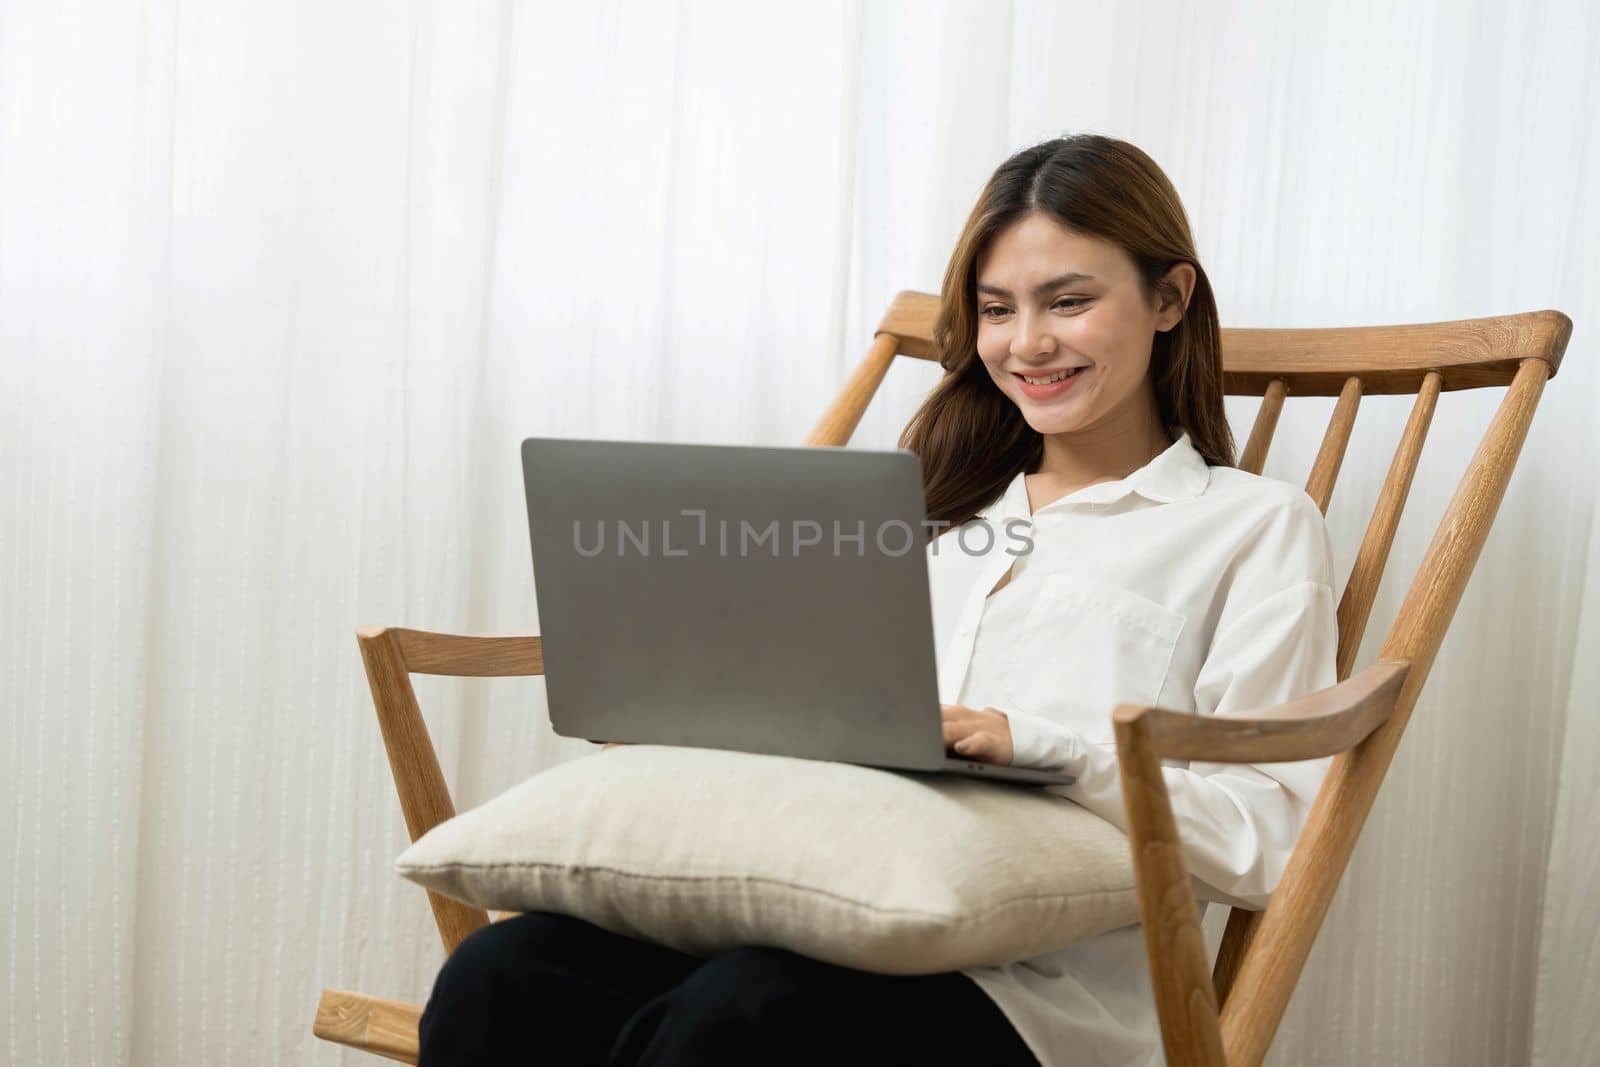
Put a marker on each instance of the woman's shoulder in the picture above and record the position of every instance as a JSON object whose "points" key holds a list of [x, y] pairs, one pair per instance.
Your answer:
{"points": [[1275, 525], [1241, 491]]}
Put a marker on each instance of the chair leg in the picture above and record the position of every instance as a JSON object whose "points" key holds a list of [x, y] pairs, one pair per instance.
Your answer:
{"points": [[385, 1028]]}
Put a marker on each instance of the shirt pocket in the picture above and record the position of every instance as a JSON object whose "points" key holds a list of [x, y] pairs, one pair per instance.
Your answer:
{"points": [[1096, 645]]}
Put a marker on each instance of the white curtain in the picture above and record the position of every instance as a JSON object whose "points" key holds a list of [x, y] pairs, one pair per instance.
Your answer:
{"points": [[283, 284]]}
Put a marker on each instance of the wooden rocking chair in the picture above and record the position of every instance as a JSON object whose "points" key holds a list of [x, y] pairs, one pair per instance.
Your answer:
{"points": [[1230, 1015]]}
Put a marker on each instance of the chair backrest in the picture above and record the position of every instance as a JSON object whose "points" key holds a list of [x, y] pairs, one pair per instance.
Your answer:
{"points": [[1262, 953]]}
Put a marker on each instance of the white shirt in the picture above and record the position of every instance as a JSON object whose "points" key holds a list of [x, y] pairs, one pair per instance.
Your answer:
{"points": [[1182, 586]]}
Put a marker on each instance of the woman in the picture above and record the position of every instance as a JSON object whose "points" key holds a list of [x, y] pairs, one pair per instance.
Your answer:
{"points": [[1159, 574], [1083, 396]]}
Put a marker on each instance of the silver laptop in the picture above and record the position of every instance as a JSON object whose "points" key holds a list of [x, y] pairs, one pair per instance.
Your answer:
{"points": [[770, 600]]}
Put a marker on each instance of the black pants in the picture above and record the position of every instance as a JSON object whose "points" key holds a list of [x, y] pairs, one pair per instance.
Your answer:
{"points": [[546, 989]]}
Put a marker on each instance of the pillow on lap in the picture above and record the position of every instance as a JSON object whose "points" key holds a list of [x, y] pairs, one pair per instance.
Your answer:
{"points": [[706, 850]]}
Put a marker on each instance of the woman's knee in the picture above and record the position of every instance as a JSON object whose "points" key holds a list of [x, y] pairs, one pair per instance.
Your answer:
{"points": [[760, 984], [755, 1004], [506, 989], [502, 956]]}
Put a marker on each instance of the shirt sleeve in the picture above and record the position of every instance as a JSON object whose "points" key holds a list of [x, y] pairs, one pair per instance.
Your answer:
{"points": [[1237, 821]]}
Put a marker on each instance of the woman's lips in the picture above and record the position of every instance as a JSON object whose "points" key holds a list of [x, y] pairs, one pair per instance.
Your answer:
{"points": [[1054, 389]]}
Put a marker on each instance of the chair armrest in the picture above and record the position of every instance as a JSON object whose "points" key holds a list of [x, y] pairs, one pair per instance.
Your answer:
{"points": [[390, 655], [461, 655], [387, 1028], [1320, 724]]}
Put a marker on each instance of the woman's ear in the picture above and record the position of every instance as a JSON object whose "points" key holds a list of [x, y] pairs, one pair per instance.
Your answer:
{"points": [[1173, 294]]}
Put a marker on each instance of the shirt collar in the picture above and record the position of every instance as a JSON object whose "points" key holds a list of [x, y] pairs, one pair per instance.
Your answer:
{"points": [[1178, 473]]}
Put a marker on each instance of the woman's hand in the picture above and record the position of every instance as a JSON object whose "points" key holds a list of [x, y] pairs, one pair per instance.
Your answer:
{"points": [[981, 735]]}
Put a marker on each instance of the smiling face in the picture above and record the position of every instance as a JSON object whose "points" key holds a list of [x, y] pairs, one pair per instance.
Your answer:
{"points": [[1035, 320]]}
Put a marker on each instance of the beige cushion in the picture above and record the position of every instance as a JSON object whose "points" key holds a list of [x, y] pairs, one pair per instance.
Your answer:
{"points": [[705, 850]]}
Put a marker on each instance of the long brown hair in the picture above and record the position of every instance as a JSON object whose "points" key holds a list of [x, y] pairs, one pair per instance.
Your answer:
{"points": [[971, 438]]}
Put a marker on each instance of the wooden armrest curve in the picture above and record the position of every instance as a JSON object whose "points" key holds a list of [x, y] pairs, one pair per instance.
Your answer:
{"points": [[373, 1024], [462, 655], [1319, 724]]}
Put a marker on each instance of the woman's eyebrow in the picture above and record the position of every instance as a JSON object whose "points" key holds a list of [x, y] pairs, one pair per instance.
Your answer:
{"points": [[1043, 287]]}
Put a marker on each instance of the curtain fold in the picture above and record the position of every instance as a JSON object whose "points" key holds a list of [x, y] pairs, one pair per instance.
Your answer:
{"points": [[283, 286]]}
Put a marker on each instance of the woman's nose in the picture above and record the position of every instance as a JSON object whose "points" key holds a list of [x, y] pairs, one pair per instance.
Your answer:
{"points": [[1029, 338]]}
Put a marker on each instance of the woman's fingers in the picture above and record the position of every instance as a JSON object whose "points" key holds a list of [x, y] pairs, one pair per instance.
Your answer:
{"points": [[977, 734], [963, 729], [966, 731], [953, 730]]}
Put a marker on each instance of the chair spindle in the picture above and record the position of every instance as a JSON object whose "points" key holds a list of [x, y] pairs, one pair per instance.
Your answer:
{"points": [[1255, 450], [1330, 457], [1362, 587]]}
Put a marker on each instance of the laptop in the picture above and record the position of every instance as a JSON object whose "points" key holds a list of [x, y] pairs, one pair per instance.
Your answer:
{"points": [[757, 599]]}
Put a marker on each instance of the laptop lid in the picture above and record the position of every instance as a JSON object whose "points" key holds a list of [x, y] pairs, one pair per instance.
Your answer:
{"points": [[762, 599]]}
